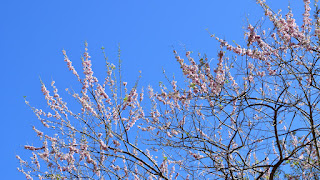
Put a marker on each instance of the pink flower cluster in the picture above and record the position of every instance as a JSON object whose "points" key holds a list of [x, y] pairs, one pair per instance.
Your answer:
{"points": [[69, 63]]}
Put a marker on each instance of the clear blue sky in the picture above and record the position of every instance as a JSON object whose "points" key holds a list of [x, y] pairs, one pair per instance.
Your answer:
{"points": [[33, 33]]}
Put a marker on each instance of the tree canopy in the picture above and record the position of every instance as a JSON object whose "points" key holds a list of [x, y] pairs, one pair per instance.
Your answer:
{"points": [[251, 114]]}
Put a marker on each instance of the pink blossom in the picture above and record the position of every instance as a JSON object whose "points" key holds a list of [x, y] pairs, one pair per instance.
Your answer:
{"points": [[39, 133], [116, 143]]}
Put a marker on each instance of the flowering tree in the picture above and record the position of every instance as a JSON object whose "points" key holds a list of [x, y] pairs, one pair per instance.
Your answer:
{"points": [[254, 115]]}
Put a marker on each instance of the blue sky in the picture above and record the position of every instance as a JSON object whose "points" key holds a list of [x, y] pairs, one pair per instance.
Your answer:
{"points": [[33, 33]]}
